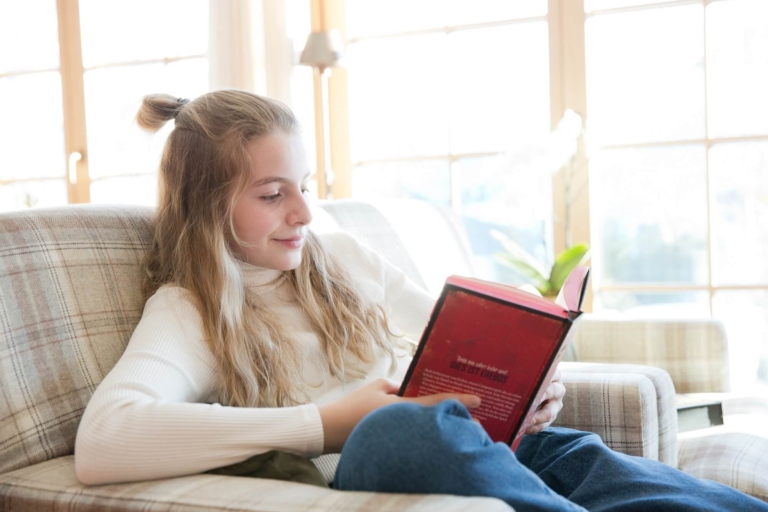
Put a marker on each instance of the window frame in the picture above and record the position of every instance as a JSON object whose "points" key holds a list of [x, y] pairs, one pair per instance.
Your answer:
{"points": [[568, 90], [230, 64]]}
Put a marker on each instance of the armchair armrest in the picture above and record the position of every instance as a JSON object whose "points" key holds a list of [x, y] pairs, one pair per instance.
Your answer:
{"points": [[694, 351], [631, 407]]}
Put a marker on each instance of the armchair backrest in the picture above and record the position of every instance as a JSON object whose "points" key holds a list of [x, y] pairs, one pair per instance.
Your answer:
{"points": [[427, 241], [70, 298]]}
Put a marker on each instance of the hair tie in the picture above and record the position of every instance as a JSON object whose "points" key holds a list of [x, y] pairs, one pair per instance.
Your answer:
{"points": [[182, 102]]}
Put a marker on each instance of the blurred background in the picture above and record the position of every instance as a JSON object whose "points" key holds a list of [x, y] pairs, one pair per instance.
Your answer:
{"points": [[638, 128]]}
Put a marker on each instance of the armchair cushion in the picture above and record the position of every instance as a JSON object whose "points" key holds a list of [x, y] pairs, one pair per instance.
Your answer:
{"points": [[52, 486], [730, 455]]}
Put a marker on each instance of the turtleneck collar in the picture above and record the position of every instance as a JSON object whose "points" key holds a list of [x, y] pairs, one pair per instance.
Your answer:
{"points": [[264, 278]]}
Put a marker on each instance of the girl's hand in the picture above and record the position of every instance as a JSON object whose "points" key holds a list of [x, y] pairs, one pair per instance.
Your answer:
{"points": [[550, 406], [339, 418]]}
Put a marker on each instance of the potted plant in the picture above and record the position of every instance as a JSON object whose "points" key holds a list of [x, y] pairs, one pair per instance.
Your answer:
{"points": [[547, 281], [561, 151]]}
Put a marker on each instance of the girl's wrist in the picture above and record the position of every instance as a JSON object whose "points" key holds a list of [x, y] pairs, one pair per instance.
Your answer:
{"points": [[328, 417]]}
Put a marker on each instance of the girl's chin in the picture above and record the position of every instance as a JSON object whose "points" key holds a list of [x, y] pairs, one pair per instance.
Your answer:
{"points": [[290, 265]]}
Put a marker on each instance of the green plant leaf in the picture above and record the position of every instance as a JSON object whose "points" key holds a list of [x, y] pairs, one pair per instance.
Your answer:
{"points": [[534, 276], [518, 253], [565, 262], [522, 262]]}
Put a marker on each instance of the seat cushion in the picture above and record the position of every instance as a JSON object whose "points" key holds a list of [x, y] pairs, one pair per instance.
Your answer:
{"points": [[734, 454], [52, 486]]}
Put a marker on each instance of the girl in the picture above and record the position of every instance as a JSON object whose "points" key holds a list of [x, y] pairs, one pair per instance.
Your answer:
{"points": [[260, 337]]}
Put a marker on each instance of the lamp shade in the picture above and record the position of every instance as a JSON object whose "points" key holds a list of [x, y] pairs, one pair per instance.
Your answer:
{"points": [[323, 49]]}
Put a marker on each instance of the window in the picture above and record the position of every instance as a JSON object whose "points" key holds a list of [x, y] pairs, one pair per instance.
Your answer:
{"points": [[680, 188], [673, 93], [74, 79], [436, 100]]}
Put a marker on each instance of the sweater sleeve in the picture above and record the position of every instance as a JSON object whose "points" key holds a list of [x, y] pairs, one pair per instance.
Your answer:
{"points": [[146, 419]]}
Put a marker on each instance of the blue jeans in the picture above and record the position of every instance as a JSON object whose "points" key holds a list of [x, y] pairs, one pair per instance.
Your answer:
{"points": [[410, 448]]}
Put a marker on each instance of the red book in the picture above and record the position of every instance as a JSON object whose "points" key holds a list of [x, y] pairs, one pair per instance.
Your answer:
{"points": [[499, 343]]}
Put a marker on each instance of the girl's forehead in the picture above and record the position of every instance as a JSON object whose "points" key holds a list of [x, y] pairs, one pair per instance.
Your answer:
{"points": [[275, 146], [277, 157]]}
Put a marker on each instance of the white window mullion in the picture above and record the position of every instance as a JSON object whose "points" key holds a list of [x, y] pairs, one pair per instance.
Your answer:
{"points": [[710, 192]]}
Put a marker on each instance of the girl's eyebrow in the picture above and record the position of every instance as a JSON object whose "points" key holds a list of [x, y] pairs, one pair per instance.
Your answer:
{"points": [[275, 179]]}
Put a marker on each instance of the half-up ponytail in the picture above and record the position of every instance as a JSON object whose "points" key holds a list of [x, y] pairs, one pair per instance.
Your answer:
{"points": [[158, 109]]}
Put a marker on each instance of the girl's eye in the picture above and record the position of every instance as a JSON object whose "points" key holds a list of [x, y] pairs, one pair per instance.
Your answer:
{"points": [[304, 191], [271, 198]]}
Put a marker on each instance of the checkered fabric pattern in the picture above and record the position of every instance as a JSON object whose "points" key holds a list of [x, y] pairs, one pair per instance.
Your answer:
{"points": [[734, 454], [52, 487], [631, 407], [619, 408], [70, 297], [694, 352]]}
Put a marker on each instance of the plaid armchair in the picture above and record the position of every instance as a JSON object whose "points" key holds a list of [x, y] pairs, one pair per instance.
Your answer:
{"points": [[695, 354], [70, 299]]}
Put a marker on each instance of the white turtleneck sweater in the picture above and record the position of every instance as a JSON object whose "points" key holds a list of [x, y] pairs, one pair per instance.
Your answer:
{"points": [[155, 414]]}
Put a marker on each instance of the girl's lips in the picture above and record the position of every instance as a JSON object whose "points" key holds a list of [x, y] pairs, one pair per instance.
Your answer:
{"points": [[293, 243]]}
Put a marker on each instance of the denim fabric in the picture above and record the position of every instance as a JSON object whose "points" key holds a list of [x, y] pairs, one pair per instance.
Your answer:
{"points": [[410, 448]]}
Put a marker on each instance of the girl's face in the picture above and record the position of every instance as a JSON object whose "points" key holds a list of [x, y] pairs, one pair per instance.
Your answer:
{"points": [[272, 214]]}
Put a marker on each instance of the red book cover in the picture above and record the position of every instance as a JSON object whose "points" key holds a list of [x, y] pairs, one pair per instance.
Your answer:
{"points": [[498, 342]]}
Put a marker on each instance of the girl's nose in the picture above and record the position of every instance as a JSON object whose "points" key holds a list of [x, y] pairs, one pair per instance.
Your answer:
{"points": [[301, 213]]}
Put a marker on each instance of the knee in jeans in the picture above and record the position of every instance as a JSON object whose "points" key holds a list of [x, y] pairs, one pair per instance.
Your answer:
{"points": [[405, 438], [403, 424], [589, 444], [389, 419], [568, 439], [382, 425]]}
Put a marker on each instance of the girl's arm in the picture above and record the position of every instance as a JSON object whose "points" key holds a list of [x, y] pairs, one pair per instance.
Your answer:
{"points": [[146, 419]]}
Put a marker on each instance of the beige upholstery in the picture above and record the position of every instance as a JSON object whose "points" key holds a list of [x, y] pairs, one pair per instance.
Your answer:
{"points": [[69, 301], [693, 352], [52, 486], [653, 406], [695, 355]]}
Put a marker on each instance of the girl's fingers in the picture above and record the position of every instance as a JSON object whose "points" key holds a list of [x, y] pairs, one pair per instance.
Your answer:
{"points": [[545, 416], [555, 390], [541, 420], [559, 390]]}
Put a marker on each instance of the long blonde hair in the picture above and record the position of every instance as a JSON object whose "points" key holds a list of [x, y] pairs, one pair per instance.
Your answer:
{"points": [[204, 168]]}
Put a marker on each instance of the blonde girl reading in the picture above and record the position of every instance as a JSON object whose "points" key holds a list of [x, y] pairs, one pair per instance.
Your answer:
{"points": [[261, 338]]}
